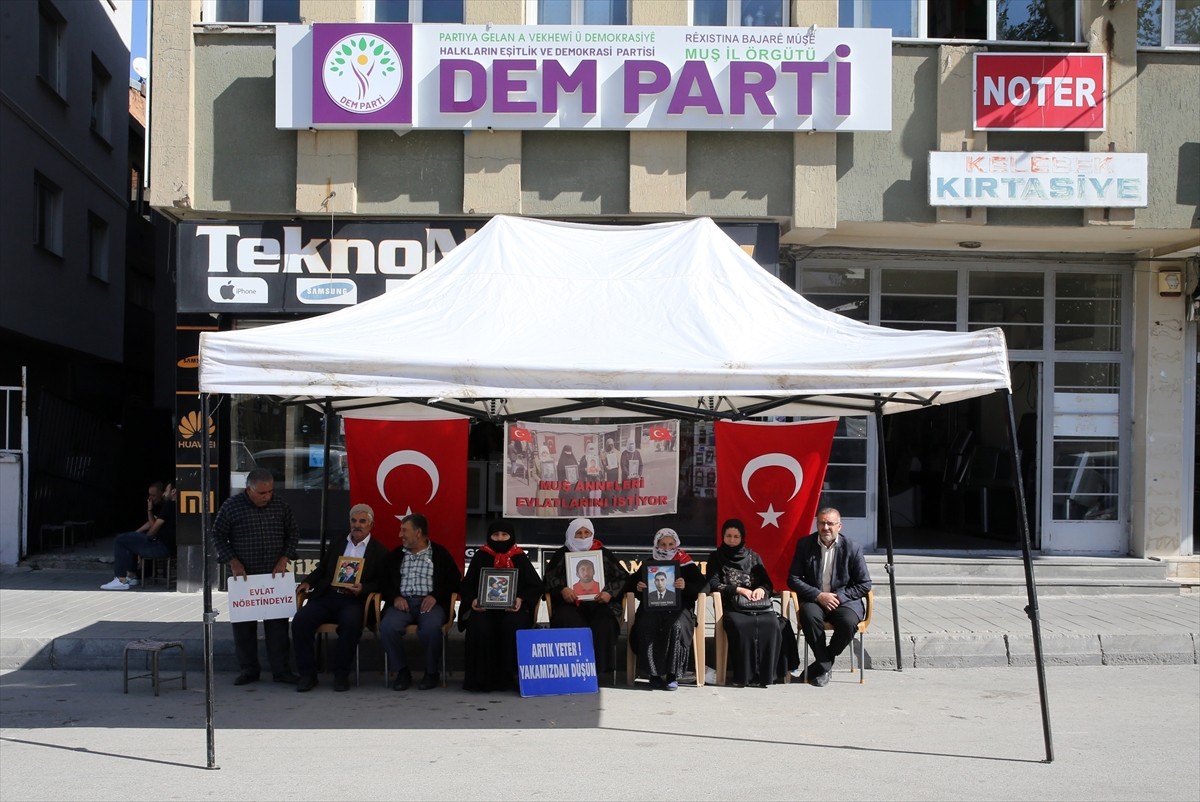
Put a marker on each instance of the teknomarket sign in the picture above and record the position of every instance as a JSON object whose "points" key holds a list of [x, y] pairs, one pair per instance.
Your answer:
{"points": [[477, 77], [1039, 92], [1018, 178]]}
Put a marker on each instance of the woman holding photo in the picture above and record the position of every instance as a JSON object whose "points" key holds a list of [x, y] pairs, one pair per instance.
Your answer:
{"points": [[602, 614], [491, 635], [755, 635], [662, 638]]}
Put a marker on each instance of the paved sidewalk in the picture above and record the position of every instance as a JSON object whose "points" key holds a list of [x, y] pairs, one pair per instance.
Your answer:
{"points": [[59, 619]]}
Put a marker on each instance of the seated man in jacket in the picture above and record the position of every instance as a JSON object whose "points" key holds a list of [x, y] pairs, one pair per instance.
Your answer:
{"points": [[829, 575], [420, 580], [343, 606]]}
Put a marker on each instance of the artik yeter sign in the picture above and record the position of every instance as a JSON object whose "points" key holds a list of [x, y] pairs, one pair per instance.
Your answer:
{"points": [[456, 77]]}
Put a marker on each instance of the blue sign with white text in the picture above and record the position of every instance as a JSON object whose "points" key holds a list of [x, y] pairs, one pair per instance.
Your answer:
{"points": [[554, 662]]}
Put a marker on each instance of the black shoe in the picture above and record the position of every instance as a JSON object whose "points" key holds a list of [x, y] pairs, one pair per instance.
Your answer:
{"points": [[306, 683], [341, 684], [820, 680], [403, 680], [246, 677], [657, 683], [428, 682], [287, 678]]}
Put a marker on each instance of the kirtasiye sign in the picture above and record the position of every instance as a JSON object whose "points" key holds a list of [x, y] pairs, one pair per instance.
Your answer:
{"points": [[1016, 178], [475, 77]]}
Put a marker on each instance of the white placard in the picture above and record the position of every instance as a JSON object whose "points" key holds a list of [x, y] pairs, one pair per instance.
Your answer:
{"points": [[259, 597]]}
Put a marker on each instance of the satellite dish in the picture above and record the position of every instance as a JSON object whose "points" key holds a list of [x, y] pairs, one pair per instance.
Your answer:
{"points": [[141, 68]]}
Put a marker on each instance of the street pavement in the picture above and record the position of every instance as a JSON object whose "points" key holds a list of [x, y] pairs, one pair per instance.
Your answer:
{"points": [[59, 619], [1119, 733]]}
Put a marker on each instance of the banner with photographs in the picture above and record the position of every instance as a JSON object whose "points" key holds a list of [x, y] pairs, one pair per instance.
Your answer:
{"points": [[558, 470]]}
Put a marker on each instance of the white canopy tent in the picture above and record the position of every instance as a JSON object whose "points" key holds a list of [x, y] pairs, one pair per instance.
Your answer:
{"points": [[533, 318], [543, 313]]}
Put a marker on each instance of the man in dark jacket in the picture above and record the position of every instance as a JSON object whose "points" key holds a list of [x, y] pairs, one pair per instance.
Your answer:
{"points": [[421, 578], [829, 575], [338, 604]]}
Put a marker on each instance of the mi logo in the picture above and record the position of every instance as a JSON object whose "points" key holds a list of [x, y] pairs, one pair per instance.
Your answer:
{"points": [[189, 501]]}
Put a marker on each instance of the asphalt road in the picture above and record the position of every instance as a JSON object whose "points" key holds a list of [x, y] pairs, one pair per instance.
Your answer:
{"points": [[1119, 733]]}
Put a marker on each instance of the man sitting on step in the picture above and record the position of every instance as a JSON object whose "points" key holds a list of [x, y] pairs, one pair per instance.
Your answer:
{"points": [[153, 539]]}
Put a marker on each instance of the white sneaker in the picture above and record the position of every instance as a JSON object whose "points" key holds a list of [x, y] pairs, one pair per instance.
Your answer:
{"points": [[115, 584], [131, 582]]}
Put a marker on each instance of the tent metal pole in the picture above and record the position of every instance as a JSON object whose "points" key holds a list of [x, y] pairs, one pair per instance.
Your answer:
{"points": [[1031, 609], [885, 518], [327, 408], [210, 615]]}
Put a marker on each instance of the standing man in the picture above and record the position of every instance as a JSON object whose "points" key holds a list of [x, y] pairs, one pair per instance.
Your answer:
{"points": [[420, 581], [343, 606], [155, 538], [829, 575], [255, 533]]}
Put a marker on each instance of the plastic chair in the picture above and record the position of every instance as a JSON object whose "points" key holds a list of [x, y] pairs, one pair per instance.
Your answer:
{"points": [[721, 637], [863, 626], [697, 638]]}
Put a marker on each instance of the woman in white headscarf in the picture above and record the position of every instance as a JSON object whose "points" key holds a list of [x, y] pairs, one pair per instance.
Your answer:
{"points": [[600, 614], [662, 635]]}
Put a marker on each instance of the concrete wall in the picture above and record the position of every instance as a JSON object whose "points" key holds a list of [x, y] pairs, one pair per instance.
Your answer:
{"points": [[739, 174], [408, 174], [243, 163], [571, 173], [50, 296], [884, 176], [1168, 129]]}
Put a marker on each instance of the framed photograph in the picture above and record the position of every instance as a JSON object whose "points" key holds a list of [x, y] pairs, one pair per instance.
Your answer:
{"points": [[572, 472], [497, 588], [660, 586], [348, 572], [585, 574]]}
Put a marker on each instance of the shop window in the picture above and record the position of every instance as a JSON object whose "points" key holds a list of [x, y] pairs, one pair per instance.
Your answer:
{"points": [[97, 247], [1086, 479], [745, 13], [1168, 23], [845, 484], [441, 11], [918, 299], [1012, 301], [583, 12], [48, 216], [1003, 20], [842, 290], [101, 83], [50, 46], [1087, 312], [251, 11]]}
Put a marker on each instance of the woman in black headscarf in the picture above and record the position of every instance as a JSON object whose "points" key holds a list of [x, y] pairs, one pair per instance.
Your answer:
{"points": [[601, 614], [662, 638], [491, 634], [738, 574]]}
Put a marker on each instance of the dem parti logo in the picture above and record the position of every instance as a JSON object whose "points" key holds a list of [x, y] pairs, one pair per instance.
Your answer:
{"points": [[362, 73]]}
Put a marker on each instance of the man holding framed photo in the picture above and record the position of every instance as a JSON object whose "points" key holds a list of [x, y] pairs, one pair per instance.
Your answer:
{"points": [[421, 579], [330, 602]]}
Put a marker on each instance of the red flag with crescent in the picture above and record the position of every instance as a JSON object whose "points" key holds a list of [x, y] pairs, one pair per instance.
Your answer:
{"points": [[404, 467], [769, 475]]}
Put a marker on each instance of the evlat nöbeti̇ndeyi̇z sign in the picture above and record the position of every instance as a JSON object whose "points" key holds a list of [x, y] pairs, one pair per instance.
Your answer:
{"points": [[397, 76]]}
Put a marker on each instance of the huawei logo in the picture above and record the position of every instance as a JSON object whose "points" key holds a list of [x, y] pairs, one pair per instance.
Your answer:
{"points": [[190, 425]]}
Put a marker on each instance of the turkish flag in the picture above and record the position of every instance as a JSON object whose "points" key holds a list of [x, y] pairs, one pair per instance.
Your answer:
{"points": [[404, 467], [520, 433], [769, 475], [660, 433]]}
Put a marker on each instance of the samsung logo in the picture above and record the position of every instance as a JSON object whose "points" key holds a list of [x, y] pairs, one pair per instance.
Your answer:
{"points": [[325, 291]]}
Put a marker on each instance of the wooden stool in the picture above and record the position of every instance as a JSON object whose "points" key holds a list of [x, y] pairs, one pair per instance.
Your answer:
{"points": [[155, 648]]}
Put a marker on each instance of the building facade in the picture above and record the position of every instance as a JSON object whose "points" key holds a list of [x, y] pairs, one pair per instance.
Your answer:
{"points": [[77, 310], [1094, 299]]}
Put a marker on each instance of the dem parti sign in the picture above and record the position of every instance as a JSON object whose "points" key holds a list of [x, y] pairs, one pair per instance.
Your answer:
{"points": [[455, 77]]}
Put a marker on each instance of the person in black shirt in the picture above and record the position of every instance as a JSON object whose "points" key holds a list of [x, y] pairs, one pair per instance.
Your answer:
{"points": [[154, 538]]}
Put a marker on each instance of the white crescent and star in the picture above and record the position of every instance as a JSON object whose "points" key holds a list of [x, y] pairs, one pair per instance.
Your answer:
{"points": [[770, 517], [408, 457]]}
